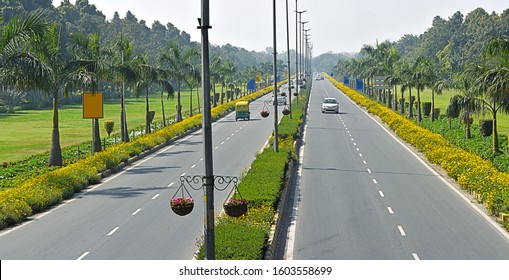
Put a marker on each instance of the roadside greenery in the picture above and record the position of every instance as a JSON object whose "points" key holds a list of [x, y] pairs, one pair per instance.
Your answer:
{"points": [[246, 237], [472, 173], [49, 187]]}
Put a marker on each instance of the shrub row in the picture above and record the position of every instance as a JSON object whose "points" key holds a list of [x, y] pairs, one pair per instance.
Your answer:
{"points": [[478, 144], [472, 173], [246, 238], [43, 191]]}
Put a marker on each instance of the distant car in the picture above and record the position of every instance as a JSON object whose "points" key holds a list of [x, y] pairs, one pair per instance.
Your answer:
{"points": [[281, 100], [330, 104], [318, 77]]}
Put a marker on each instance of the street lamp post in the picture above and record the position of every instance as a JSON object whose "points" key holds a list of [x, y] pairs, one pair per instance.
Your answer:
{"points": [[276, 144], [305, 51], [302, 45], [288, 54], [297, 44], [207, 134]]}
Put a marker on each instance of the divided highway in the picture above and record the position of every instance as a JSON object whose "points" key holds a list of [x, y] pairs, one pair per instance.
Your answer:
{"points": [[364, 195], [128, 215]]}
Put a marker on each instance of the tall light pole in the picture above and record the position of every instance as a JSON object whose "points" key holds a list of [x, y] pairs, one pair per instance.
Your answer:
{"points": [[207, 134], [305, 51], [276, 144], [297, 44], [302, 45], [288, 53]]}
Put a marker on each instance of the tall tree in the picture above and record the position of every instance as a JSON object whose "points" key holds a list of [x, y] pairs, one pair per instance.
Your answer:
{"points": [[177, 61], [493, 83], [89, 61], [54, 81]]}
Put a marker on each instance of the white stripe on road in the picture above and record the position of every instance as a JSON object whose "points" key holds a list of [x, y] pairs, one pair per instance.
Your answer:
{"points": [[401, 230], [381, 193], [155, 196], [113, 231], [83, 256], [136, 212], [375, 182], [390, 210], [416, 257], [171, 184]]}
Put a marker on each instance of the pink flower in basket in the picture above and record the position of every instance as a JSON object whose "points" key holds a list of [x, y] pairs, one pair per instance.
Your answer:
{"points": [[235, 201], [181, 201]]}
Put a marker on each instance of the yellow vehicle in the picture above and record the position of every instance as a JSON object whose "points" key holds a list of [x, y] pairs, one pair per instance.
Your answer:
{"points": [[242, 110]]}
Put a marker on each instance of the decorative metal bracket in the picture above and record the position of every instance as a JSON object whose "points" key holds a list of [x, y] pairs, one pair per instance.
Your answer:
{"points": [[197, 182]]}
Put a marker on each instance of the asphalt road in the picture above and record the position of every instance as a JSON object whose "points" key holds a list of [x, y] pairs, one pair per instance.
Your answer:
{"points": [[364, 195], [128, 216]]}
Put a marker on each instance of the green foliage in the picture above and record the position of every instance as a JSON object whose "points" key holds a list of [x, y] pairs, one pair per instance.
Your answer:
{"points": [[245, 238], [33, 188], [426, 106], [108, 126], [477, 144]]}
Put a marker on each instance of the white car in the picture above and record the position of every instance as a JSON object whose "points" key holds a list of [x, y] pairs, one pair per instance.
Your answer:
{"points": [[281, 100], [330, 104]]}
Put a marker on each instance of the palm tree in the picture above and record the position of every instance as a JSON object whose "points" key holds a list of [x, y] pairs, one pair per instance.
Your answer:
{"points": [[123, 70], [54, 80], [192, 81], [177, 61], [419, 81], [493, 84], [19, 65], [90, 69], [466, 102], [164, 83], [215, 75], [146, 75], [406, 73]]}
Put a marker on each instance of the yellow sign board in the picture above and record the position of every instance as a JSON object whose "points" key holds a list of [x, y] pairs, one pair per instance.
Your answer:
{"points": [[93, 105], [258, 77]]}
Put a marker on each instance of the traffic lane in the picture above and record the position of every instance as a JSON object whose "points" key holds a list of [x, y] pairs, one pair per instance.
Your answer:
{"points": [[336, 219], [143, 240], [234, 147], [97, 210], [437, 218], [66, 231]]}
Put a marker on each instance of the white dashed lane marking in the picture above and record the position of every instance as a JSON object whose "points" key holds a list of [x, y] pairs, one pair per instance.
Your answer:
{"points": [[113, 231]]}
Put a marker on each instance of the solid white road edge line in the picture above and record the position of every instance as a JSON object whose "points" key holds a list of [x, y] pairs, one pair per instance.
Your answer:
{"points": [[494, 224]]}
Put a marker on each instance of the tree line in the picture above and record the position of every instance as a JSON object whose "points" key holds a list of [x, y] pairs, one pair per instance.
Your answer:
{"points": [[469, 54], [57, 52]]}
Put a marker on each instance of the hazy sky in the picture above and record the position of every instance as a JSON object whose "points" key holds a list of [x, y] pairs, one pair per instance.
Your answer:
{"points": [[336, 25]]}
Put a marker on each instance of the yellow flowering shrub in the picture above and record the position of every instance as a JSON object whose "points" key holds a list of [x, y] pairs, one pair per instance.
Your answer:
{"points": [[472, 173]]}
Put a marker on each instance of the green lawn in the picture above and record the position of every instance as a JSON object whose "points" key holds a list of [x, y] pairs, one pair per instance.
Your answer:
{"points": [[26, 133], [441, 101]]}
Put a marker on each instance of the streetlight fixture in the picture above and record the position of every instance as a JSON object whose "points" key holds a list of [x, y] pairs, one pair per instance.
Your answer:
{"points": [[288, 54], [276, 144], [297, 44], [305, 51], [204, 26], [302, 46]]}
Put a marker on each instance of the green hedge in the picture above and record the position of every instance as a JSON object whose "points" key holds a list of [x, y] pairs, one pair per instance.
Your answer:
{"points": [[245, 238]]}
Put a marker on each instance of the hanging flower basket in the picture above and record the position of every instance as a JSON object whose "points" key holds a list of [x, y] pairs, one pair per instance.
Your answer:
{"points": [[264, 113], [283, 93], [235, 207], [286, 111], [182, 205]]}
